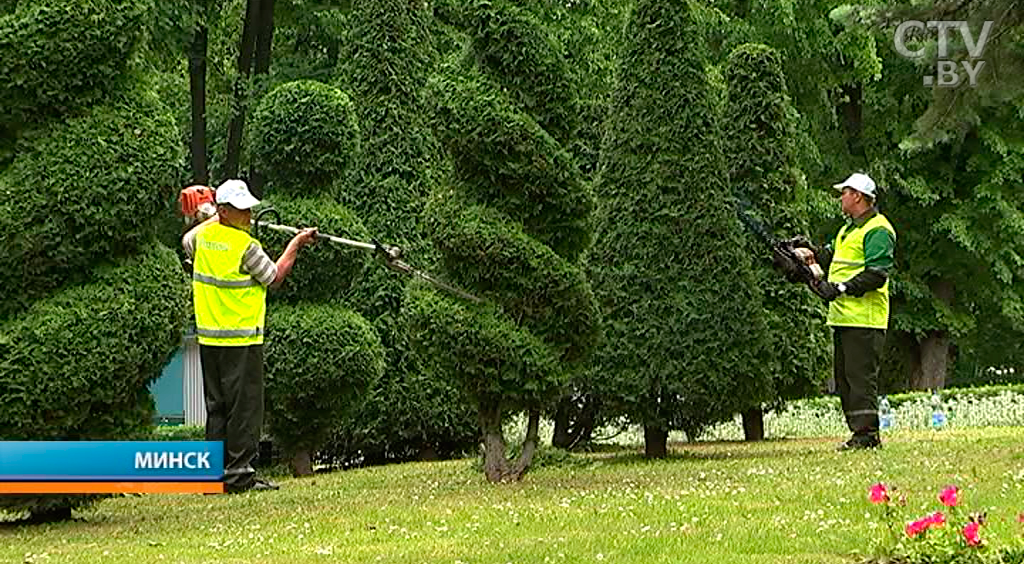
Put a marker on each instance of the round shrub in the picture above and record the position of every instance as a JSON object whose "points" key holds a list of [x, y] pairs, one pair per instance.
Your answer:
{"points": [[493, 359], [305, 135], [321, 360], [59, 55], [325, 271], [90, 189], [77, 364]]}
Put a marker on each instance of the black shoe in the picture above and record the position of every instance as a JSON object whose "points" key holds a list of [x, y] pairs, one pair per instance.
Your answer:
{"points": [[256, 485], [260, 484], [860, 443]]}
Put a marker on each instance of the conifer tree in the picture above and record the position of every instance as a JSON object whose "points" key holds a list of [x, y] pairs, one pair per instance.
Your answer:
{"points": [[669, 264], [760, 132], [509, 225]]}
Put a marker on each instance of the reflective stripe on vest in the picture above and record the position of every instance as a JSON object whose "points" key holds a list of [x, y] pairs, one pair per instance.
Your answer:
{"points": [[230, 306], [872, 309]]}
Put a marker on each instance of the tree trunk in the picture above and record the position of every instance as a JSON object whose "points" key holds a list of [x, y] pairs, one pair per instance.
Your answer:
{"points": [[574, 425], [935, 348], [655, 442], [850, 112], [934, 362], [529, 446], [264, 38], [562, 438], [496, 467], [427, 453], [197, 87], [753, 424], [302, 463], [245, 55], [587, 421]]}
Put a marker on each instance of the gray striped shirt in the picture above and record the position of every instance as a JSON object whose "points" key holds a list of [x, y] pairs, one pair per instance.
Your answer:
{"points": [[255, 261]]}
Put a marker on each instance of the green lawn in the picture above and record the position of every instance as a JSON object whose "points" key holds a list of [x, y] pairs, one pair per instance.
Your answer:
{"points": [[777, 501]]}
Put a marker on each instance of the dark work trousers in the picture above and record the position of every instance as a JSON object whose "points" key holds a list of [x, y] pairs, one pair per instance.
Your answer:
{"points": [[857, 355], [233, 386]]}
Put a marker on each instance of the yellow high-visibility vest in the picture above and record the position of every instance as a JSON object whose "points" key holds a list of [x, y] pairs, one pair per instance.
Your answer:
{"points": [[230, 306], [872, 309]]}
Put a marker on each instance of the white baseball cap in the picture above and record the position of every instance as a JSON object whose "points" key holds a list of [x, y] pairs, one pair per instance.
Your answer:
{"points": [[236, 194], [859, 182]]}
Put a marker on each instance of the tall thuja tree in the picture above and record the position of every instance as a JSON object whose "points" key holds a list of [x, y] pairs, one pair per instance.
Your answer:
{"points": [[669, 264], [322, 357], [588, 34], [760, 137], [510, 226], [92, 306], [386, 59]]}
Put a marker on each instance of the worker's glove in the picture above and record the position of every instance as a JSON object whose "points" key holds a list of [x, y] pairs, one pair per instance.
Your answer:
{"points": [[826, 290], [787, 266]]}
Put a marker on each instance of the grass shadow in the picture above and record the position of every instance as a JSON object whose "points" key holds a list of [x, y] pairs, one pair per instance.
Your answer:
{"points": [[769, 449]]}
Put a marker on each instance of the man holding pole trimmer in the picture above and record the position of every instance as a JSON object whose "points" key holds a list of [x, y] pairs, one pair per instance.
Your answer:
{"points": [[230, 276], [856, 287]]}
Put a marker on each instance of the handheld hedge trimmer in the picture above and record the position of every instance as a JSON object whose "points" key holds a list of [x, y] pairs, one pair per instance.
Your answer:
{"points": [[197, 204], [797, 263]]}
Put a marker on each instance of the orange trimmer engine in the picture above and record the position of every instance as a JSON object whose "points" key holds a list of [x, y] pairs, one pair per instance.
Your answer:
{"points": [[197, 203]]}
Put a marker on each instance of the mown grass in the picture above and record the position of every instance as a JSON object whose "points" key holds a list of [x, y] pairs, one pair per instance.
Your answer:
{"points": [[794, 501]]}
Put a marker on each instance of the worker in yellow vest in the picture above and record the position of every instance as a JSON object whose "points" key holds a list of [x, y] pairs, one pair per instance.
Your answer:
{"points": [[230, 276], [859, 263]]}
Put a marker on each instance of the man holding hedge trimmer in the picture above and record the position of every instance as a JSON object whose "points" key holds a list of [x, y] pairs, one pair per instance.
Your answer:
{"points": [[230, 276], [856, 288]]}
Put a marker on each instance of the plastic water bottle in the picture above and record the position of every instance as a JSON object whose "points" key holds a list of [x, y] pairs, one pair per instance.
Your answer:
{"points": [[938, 413], [884, 414]]}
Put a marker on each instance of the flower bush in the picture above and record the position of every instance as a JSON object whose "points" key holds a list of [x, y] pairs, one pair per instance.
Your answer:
{"points": [[949, 535]]}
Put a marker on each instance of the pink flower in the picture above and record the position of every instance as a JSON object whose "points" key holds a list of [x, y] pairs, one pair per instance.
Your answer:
{"points": [[971, 534], [1020, 518], [916, 528], [948, 497], [936, 519], [878, 493]]}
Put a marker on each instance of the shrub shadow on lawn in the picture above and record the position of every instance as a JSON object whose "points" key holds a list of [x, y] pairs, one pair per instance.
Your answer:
{"points": [[723, 450]]}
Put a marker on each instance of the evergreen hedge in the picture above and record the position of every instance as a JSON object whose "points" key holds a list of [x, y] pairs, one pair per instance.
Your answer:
{"points": [[759, 131], [87, 190], [509, 226], [304, 137], [505, 159], [60, 55], [385, 63], [77, 364], [92, 307], [307, 140], [669, 264], [505, 41]]}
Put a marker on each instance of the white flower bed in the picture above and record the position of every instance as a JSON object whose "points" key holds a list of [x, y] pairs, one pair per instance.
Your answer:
{"points": [[817, 418]]}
